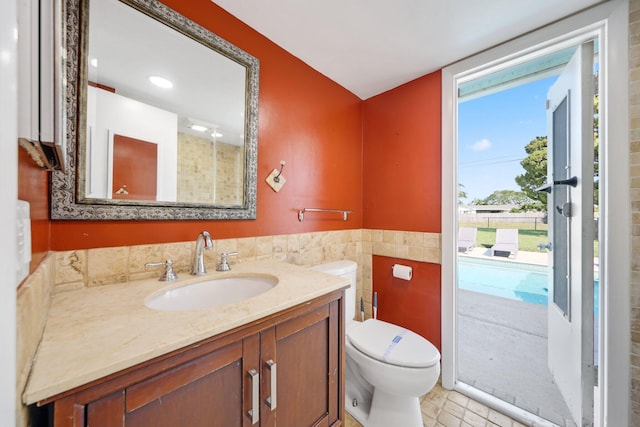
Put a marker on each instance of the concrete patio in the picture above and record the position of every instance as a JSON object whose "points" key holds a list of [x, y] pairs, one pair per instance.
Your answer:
{"points": [[503, 347]]}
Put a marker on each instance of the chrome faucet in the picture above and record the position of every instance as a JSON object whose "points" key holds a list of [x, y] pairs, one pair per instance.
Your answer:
{"points": [[168, 273], [224, 264], [202, 242]]}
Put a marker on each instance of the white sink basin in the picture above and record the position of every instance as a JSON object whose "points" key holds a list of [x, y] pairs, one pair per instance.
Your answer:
{"points": [[211, 293]]}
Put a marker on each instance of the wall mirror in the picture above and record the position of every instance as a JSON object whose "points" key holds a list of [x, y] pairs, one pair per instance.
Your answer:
{"points": [[161, 117]]}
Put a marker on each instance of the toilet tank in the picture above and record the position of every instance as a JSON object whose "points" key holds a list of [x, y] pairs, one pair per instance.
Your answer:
{"points": [[347, 269]]}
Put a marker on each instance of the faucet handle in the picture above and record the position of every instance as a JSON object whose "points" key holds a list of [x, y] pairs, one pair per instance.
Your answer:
{"points": [[224, 265], [168, 273]]}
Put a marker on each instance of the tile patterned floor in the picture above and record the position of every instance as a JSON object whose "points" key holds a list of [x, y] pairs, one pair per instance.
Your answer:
{"points": [[444, 408]]}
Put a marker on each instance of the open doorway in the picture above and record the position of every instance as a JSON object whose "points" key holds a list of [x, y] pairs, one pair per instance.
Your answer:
{"points": [[609, 23], [514, 285], [528, 60]]}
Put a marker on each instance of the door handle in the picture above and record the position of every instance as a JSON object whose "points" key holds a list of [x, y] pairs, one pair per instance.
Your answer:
{"points": [[547, 246], [573, 182], [272, 400], [254, 412]]}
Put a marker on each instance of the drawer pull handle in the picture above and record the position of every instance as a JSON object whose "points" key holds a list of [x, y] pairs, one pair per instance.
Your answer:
{"points": [[254, 412], [272, 399]]}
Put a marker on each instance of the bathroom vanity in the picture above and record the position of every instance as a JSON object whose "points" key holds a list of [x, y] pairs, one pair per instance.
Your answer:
{"points": [[274, 359]]}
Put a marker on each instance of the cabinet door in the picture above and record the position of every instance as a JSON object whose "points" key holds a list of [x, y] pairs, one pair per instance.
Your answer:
{"points": [[307, 351], [206, 391]]}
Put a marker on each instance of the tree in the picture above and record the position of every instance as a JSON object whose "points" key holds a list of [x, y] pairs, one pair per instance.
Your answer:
{"points": [[461, 194], [504, 197], [535, 175], [535, 165]]}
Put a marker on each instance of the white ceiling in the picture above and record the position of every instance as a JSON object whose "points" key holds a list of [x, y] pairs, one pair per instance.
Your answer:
{"points": [[371, 46]]}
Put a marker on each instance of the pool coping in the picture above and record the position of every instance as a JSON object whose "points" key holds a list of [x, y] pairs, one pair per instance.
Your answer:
{"points": [[522, 257]]}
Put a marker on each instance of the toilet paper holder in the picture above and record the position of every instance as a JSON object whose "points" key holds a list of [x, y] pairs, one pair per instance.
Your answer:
{"points": [[400, 271]]}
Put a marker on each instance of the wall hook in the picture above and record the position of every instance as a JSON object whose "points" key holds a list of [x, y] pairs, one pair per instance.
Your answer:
{"points": [[277, 177], [122, 190]]}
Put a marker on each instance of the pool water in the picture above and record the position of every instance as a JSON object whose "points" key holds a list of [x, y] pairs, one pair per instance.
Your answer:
{"points": [[521, 282]]}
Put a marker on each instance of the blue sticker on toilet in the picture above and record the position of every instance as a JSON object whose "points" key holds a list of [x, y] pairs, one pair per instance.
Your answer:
{"points": [[392, 344]]}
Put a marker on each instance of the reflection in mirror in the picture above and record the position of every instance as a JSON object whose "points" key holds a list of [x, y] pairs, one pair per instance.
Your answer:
{"points": [[151, 83], [166, 119]]}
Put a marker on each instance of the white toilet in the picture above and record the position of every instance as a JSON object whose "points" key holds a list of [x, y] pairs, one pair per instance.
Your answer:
{"points": [[388, 367]]}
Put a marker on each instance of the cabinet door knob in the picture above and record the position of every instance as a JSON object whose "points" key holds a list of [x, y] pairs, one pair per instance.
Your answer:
{"points": [[254, 412], [272, 400]]}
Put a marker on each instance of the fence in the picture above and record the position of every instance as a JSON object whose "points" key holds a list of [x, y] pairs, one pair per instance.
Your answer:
{"points": [[522, 221]]}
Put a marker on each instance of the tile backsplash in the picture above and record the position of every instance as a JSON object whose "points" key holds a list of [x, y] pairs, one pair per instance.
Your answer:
{"points": [[104, 266]]}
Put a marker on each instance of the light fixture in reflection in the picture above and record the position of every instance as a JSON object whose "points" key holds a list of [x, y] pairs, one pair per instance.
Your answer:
{"points": [[198, 128], [202, 126], [161, 82]]}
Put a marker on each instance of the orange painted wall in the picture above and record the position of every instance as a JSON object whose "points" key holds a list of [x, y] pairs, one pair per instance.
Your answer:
{"points": [[402, 157], [309, 121], [413, 304], [402, 179], [33, 187]]}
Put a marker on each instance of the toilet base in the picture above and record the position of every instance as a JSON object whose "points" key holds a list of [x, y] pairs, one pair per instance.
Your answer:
{"points": [[357, 393], [385, 410]]}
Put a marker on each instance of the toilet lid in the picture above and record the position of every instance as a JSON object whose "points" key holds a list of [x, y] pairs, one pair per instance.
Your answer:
{"points": [[394, 345]]}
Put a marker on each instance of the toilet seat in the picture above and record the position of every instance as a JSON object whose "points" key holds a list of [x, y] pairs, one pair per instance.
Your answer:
{"points": [[393, 344]]}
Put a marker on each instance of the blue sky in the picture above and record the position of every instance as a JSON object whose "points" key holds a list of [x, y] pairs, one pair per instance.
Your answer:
{"points": [[492, 133]]}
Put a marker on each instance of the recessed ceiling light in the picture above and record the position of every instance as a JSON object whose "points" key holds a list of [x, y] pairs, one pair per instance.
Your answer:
{"points": [[161, 82], [217, 134], [198, 128]]}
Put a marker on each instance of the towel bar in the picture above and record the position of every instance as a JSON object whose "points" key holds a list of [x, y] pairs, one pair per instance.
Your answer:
{"points": [[302, 211]]}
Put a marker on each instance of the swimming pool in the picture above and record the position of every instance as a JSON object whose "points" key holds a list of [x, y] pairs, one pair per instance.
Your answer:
{"points": [[521, 282]]}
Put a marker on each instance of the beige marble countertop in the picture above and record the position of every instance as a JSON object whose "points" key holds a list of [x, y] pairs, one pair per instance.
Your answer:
{"points": [[94, 332]]}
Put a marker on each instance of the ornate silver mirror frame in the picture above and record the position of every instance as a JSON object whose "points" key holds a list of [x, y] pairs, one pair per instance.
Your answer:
{"points": [[68, 201]]}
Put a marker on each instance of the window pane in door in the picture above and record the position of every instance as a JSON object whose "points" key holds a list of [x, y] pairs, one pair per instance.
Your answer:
{"points": [[560, 196]]}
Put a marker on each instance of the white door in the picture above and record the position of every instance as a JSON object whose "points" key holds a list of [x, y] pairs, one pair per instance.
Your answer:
{"points": [[571, 233]]}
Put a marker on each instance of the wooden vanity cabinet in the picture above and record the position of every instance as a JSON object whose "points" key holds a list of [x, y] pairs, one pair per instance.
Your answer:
{"points": [[296, 355]]}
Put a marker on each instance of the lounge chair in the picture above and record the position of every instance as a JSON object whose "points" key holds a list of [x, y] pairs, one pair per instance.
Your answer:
{"points": [[466, 239], [506, 242]]}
